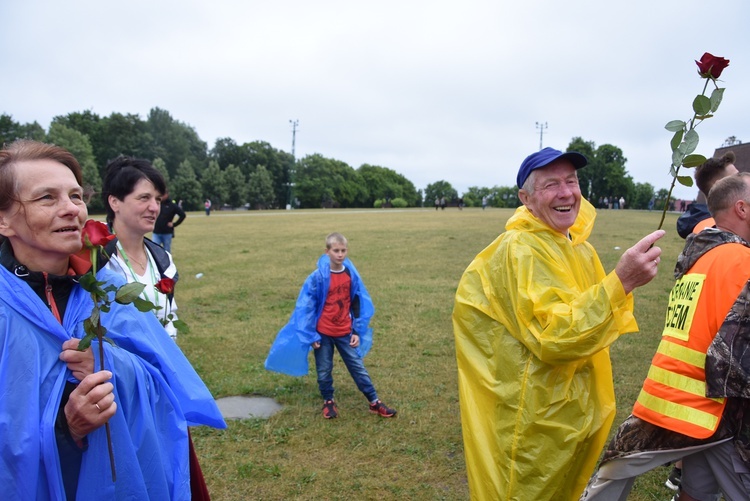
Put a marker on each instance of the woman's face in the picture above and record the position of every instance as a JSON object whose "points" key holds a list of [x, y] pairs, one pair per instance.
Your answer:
{"points": [[45, 228], [137, 212]]}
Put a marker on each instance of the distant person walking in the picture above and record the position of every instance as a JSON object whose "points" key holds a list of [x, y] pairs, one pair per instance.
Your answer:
{"points": [[437, 203], [165, 223], [484, 202], [207, 205]]}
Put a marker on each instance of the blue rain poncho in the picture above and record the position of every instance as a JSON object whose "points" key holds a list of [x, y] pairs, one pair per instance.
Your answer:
{"points": [[289, 351], [533, 318], [157, 391]]}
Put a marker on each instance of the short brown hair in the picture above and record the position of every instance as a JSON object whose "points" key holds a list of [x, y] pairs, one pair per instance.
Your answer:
{"points": [[336, 238], [711, 171], [24, 150], [727, 191]]}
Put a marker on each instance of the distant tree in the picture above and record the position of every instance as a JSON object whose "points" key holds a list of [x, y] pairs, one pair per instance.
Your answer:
{"points": [[260, 188], [161, 166], [78, 144], [385, 183], [10, 130], [174, 142], [473, 196], [277, 163], [642, 194], [214, 185], [120, 134], [439, 189], [323, 181], [236, 186], [185, 187], [505, 196], [605, 175]]}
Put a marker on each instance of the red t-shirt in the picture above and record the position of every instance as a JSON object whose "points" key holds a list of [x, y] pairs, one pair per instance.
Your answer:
{"points": [[336, 320]]}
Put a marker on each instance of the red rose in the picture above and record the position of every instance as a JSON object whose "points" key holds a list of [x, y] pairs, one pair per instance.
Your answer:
{"points": [[95, 234], [165, 286], [711, 66]]}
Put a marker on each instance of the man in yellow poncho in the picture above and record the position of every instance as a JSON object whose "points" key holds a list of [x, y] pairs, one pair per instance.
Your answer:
{"points": [[534, 316]]}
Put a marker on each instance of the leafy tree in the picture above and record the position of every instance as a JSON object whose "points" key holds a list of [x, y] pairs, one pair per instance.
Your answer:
{"points": [[440, 189], [641, 196], [117, 135], [159, 165], [473, 197], [505, 196], [174, 141], [185, 187], [605, 175], [385, 183], [279, 165], [260, 188], [236, 186], [214, 185], [10, 130], [78, 144], [322, 181]]}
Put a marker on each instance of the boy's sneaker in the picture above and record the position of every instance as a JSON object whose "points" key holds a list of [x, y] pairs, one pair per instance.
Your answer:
{"points": [[329, 409], [381, 409], [674, 479]]}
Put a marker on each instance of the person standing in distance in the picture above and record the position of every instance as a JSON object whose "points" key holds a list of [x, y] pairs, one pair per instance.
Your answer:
{"points": [[165, 223]]}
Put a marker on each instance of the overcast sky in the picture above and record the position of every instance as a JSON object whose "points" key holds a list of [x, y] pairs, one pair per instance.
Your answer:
{"points": [[432, 89]]}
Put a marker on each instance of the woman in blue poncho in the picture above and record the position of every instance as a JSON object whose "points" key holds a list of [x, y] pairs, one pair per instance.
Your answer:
{"points": [[54, 406]]}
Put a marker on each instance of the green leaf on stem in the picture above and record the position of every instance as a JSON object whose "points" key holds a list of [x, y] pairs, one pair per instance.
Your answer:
{"points": [[691, 141], [677, 139], [716, 97], [143, 305], [88, 282], [693, 161], [701, 105], [181, 326], [685, 180], [675, 125], [677, 156], [127, 293], [86, 342]]}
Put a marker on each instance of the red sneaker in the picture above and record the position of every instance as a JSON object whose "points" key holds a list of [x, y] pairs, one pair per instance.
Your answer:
{"points": [[329, 409], [381, 409]]}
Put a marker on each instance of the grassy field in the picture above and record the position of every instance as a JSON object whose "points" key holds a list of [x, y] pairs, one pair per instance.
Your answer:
{"points": [[253, 264]]}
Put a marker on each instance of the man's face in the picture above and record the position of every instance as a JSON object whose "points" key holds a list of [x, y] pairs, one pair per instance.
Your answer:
{"points": [[556, 198]]}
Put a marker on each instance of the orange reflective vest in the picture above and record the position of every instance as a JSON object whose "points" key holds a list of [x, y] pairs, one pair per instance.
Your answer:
{"points": [[674, 393]]}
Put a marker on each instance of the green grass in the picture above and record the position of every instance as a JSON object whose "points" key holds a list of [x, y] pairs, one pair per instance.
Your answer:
{"points": [[254, 264]]}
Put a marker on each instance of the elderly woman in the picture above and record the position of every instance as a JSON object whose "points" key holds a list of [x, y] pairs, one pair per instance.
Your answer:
{"points": [[54, 406], [132, 191]]}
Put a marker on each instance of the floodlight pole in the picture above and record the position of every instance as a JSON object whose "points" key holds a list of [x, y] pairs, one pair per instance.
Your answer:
{"points": [[294, 123], [541, 127]]}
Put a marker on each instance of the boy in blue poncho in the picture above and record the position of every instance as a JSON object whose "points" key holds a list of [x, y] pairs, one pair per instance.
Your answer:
{"points": [[333, 310]]}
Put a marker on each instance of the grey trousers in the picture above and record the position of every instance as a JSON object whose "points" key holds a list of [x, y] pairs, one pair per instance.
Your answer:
{"points": [[614, 479]]}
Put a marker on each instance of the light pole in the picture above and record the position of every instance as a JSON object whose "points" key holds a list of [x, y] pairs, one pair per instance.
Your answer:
{"points": [[541, 127], [294, 123]]}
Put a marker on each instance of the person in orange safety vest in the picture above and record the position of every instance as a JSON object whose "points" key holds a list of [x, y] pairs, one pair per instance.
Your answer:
{"points": [[693, 402]]}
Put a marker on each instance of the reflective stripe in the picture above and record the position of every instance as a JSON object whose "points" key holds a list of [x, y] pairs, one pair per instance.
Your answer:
{"points": [[680, 382], [677, 411], [682, 353]]}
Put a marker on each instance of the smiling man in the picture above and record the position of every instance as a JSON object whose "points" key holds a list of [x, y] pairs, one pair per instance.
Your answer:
{"points": [[534, 316]]}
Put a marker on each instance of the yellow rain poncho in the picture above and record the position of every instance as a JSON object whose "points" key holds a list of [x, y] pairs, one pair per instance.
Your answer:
{"points": [[533, 319]]}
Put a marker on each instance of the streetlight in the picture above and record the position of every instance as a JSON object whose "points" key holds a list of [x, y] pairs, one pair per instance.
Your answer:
{"points": [[541, 127], [294, 123]]}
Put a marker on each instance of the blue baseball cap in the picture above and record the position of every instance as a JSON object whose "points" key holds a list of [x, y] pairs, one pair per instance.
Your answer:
{"points": [[544, 157]]}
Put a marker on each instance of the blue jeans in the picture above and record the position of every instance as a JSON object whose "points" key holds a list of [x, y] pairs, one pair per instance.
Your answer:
{"points": [[352, 360], [163, 239]]}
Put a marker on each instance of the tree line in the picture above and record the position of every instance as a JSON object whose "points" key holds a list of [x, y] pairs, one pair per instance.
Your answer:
{"points": [[256, 175]]}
